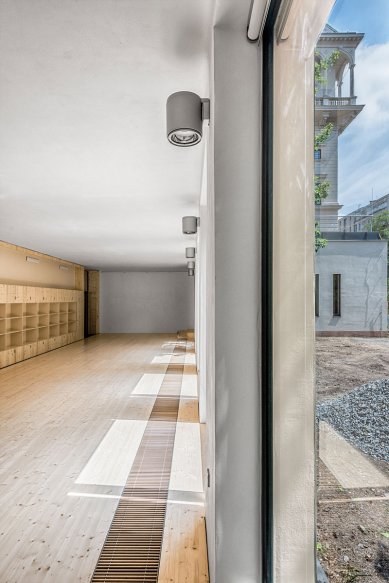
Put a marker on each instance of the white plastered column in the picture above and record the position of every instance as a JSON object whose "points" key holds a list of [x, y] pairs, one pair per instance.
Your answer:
{"points": [[293, 294]]}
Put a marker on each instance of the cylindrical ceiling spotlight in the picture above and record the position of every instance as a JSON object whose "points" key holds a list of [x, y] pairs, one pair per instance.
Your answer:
{"points": [[185, 112], [189, 225], [191, 268], [190, 252]]}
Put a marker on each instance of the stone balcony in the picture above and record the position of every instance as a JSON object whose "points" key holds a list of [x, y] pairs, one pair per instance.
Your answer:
{"points": [[338, 110], [335, 101]]}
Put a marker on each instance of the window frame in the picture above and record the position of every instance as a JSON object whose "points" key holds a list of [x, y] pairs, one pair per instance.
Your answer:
{"points": [[337, 295]]}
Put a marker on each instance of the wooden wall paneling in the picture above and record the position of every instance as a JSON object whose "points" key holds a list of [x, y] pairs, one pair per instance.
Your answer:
{"points": [[37, 254], [79, 278], [34, 320], [46, 273], [93, 302]]}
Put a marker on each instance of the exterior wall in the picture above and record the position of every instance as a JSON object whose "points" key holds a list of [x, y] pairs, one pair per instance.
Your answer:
{"points": [[328, 165], [361, 219], [331, 107], [146, 302], [363, 269], [327, 169]]}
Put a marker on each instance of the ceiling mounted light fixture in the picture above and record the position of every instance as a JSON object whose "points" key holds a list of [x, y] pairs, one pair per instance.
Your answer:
{"points": [[190, 252], [185, 113], [191, 268], [189, 225]]}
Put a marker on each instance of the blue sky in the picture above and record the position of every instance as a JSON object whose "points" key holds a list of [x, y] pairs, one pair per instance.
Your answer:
{"points": [[364, 146], [361, 16]]}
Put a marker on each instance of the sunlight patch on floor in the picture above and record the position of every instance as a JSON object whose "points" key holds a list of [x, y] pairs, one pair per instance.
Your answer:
{"points": [[190, 358], [112, 460], [189, 385], [186, 474], [149, 384]]}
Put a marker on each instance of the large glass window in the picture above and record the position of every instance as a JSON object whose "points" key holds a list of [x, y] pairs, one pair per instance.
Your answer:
{"points": [[352, 344]]}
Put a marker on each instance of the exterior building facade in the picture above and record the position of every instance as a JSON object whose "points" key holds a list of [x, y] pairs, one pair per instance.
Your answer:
{"points": [[335, 103], [350, 290], [361, 219], [351, 271]]}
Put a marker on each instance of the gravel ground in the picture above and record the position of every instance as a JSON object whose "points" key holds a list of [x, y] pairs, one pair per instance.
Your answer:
{"points": [[345, 363], [362, 417], [352, 536]]}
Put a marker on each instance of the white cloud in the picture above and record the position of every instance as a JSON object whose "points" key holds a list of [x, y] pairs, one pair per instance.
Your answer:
{"points": [[372, 83], [364, 146]]}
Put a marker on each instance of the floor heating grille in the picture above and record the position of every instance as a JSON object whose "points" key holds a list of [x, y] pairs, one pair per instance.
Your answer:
{"points": [[132, 549]]}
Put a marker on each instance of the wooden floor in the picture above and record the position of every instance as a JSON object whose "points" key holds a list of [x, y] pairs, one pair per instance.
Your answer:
{"points": [[70, 424]]}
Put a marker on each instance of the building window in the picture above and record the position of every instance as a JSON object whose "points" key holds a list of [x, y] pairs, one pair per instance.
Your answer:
{"points": [[336, 290], [317, 283], [318, 154]]}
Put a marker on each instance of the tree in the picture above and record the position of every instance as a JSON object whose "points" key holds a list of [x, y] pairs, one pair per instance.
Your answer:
{"points": [[380, 224]]}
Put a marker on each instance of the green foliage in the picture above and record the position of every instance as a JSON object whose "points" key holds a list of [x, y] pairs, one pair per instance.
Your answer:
{"points": [[323, 135], [380, 224], [320, 242], [385, 534], [322, 188], [322, 65], [319, 547]]}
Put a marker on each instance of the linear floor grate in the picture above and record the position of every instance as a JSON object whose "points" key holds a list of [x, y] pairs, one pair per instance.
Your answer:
{"points": [[132, 548]]}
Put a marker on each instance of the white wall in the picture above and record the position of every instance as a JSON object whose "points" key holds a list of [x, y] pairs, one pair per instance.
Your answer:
{"points": [[146, 302], [232, 286], [363, 269], [293, 295]]}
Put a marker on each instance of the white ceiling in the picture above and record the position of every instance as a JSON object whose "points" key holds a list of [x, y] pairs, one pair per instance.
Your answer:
{"points": [[86, 171]]}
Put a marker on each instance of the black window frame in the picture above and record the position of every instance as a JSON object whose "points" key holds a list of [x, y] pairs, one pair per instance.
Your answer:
{"points": [[337, 295], [317, 295]]}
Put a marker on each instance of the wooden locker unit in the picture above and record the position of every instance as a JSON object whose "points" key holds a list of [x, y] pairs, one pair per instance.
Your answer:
{"points": [[34, 320]]}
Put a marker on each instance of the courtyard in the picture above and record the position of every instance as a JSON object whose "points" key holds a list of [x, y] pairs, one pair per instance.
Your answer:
{"points": [[353, 470]]}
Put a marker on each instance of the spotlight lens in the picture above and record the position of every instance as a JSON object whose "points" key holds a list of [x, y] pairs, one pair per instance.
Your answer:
{"points": [[184, 137]]}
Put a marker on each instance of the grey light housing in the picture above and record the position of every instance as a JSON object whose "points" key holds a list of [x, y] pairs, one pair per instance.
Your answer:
{"points": [[185, 112], [190, 252], [191, 268], [189, 225]]}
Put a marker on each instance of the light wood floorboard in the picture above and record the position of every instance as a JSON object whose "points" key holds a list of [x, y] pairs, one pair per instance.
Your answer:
{"points": [[55, 411]]}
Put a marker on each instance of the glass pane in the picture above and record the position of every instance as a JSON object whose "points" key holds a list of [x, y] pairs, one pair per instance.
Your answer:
{"points": [[351, 263]]}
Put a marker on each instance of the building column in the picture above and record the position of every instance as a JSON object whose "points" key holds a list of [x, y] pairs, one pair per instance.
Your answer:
{"points": [[352, 80], [234, 537], [293, 295]]}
